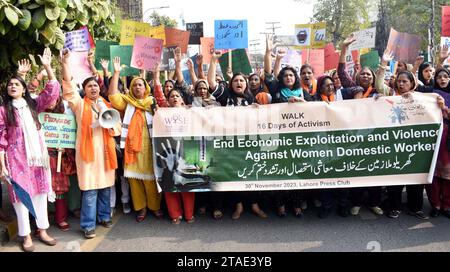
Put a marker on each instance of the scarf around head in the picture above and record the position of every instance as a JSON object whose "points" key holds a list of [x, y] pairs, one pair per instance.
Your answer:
{"points": [[87, 141], [133, 142]]}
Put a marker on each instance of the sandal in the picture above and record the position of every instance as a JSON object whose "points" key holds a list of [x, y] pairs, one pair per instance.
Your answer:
{"points": [[176, 221], [63, 226], [281, 211], [260, 213], [237, 213], [217, 214], [158, 214], [190, 221], [298, 212], [142, 214]]}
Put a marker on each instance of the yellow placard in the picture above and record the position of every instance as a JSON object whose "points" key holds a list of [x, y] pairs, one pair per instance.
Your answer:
{"points": [[158, 32], [310, 36], [130, 29]]}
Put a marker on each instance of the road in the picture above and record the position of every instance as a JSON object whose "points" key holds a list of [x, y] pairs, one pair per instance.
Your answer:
{"points": [[361, 233]]}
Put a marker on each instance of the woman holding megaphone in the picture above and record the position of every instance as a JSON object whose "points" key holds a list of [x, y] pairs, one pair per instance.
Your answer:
{"points": [[139, 107], [96, 152]]}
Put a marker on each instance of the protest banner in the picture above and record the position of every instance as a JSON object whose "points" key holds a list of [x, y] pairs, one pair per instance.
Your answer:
{"points": [[230, 34], [60, 130], [364, 39], [79, 64], [102, 52], [91, 40], [196, 30], [310, 35], [445, 21], [124, 52], [77, 40], [130, 29], [406, 47], [176, 37], [315, 58], [146, 53], [240, 62], [331, 57], [371, 60], [288, 146]]}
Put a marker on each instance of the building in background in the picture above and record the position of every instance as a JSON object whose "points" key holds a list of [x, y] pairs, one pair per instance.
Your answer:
{"points": [[132, 9]]}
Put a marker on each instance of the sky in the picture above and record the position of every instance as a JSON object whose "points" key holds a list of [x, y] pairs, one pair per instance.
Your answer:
{"points": [[286, 12]]}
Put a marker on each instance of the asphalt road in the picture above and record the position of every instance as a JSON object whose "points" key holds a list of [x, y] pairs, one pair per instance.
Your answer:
{"points": [[362, 233]]}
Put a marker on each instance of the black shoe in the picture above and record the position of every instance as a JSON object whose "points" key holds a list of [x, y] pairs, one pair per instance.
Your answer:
{"points": [[393, 214], [106, 224], [419, 215], [343, 211], [446, 213], [324, 213], [435, 212]]}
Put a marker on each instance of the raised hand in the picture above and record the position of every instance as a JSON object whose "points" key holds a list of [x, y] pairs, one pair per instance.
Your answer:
{"points": [[349, 40], [177, 54], [269, 43], [46, 57], [65, 56], [190, 64], [281, 53], [199, 60], [387, 57], [104, 63], [216, 55], [229, 72], [91, 56], [116, 65], [24, 66], [444, 53], [419, 60]]}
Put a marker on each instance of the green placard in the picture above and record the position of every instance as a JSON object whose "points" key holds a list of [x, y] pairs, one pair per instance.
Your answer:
{"points": [[240, 62], [124, 52], [370, 59], [60, 130], [102, 52]]}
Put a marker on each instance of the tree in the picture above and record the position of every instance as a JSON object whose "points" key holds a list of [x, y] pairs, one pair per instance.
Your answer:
{"points": [[342, 17], [27, 26], [158, 20]]}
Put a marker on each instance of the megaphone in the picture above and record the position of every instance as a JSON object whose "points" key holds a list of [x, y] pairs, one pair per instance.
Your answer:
{"points": [[107, 117]]}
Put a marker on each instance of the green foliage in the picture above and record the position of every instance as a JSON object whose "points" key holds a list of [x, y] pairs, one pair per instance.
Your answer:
{"points": [[27, 26], [158, 20], [342, 17]]}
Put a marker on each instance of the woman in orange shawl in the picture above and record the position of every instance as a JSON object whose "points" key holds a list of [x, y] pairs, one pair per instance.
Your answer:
{"points": [[138, 107]]}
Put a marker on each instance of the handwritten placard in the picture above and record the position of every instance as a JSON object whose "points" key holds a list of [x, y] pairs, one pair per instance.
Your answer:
{"points": [[196, 30], [60, 130], [77, 40], [310, 35], [315, 57], [240, 62], [284, 40], [230, 34], [406, 47], [146, 53], [158, 32], [130, 29], [364, 39], [176, 37], [102, 52], [446, 21], [124, 52], [207, 49]]}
